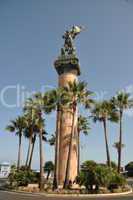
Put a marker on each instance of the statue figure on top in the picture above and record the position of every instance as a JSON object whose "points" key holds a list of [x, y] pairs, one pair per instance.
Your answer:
{"points": [[69, 37]]}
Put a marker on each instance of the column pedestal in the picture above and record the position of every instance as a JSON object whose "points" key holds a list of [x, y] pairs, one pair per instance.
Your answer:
{"points": [[68, 70]]}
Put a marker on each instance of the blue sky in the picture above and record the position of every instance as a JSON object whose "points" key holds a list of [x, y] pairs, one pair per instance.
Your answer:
{"points": [[30, 41]]}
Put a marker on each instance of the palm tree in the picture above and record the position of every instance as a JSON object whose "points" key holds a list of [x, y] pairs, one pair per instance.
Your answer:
{"points": [[77, 93], [42, 106], [26, 135], [56, 100], [102, 112], [30, 117], [52, 140], [49, 167], [35, 134], [18, 125], [116, 145], [32, 130], [121, 101], [38, 105], [83, 127], [32, 150], [29, 135]]}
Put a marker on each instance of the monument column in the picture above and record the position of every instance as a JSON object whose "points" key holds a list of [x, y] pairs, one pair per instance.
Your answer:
{"points": [[68, 69]]}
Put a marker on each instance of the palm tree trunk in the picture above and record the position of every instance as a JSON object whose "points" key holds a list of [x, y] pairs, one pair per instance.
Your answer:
{"points": [[30, 145], [19, 150], [27, 159], [32, 150], [106, 143], [78, 170], [66, 182], [41, 160], [120, 144], [58, 122], [48, 174]]}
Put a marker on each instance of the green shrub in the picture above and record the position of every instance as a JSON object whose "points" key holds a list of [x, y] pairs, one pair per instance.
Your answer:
{"points": [[22, 178], [103, 175], [87, 178], [116, 181], [99, 175]]}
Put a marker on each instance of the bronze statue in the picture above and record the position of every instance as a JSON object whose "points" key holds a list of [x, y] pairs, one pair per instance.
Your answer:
{"points": [[69, 36]]}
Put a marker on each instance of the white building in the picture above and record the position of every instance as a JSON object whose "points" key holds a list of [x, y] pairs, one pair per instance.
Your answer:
{"points": [[5, 169]]}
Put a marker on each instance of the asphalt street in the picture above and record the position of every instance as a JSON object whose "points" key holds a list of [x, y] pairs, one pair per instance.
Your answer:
{"points": [[16, 196], [21, 196]]}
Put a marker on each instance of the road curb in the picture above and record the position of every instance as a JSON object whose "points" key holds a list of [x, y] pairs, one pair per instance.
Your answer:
{"points": [[68, 195], [89, 195]]}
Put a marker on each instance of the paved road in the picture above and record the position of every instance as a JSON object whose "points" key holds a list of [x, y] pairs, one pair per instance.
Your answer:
{"points": [[18, 196], [15, 196]]}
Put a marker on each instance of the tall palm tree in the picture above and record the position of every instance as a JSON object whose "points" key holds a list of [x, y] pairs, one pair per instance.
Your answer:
{"points": [[56, 100], [35, 134], [121, 101], [38, 105], [27, 136], [18, 125], [116, 145], [30, 117], [48, 167], [77, 94], [102, 112], [83, 127], [42, 106], [32, 150]]}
